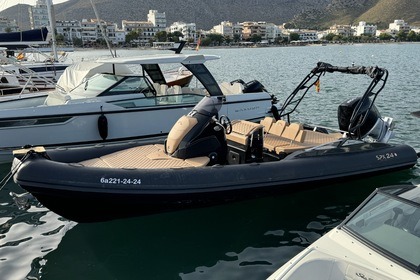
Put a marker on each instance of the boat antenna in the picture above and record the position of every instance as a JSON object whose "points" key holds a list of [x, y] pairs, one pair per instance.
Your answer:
{"points": [[102, 28]]}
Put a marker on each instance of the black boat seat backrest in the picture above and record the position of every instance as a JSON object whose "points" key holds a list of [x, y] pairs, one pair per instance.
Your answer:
{"points": [[178, 132]]}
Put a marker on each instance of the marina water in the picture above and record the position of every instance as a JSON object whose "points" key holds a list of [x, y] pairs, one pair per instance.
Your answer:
{"points": [[242, 240]]}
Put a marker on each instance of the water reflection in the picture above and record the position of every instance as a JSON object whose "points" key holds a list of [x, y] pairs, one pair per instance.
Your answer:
{"points": [[26, 236]]}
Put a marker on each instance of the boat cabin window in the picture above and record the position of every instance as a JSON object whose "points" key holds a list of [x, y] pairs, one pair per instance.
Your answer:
{"points": [[109, 84], [130, 85], [184, 99], [384, 219]]}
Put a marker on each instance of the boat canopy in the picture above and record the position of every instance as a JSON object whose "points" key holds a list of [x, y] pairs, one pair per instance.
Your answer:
{"points": [[77, 73], [23, 39], [162, 59], [193, 62]]}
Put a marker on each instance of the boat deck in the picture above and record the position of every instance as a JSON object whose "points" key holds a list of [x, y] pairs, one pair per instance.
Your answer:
{"points": [[144, 157], [279, 136]]}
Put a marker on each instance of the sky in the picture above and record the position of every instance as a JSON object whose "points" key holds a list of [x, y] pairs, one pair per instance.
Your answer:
{"points": [[4, 4]]}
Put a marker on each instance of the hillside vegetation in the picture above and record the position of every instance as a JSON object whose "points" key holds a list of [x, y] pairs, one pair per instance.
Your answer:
{"points": [[206, 14]]}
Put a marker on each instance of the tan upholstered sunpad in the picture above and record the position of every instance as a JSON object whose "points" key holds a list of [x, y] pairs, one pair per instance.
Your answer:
{"points": [[144, 157]]}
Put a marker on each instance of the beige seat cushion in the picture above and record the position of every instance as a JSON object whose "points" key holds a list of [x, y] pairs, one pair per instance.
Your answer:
{"points": [[278, 127], [178, 131], [241, 130], [292, 130], [315, 137], [267, 122]]}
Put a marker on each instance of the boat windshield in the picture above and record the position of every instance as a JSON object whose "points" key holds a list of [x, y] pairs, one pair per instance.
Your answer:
{"points": [[109, 84], [389, 221], [209, 106], [95, 85]]}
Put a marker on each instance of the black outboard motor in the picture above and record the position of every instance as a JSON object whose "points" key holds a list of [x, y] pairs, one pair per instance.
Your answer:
{"points": [[345, 112], [253, 86]]}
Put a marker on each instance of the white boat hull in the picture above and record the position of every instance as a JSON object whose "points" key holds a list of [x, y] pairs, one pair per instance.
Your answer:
{"points": [[64, 125]]}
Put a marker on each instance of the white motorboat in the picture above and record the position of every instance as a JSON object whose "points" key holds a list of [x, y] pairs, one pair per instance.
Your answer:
{"points": [[119, 105], [378, 240]]}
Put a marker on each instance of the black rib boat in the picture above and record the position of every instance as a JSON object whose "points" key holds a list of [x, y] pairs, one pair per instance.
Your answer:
{"points": [[208, 159]]}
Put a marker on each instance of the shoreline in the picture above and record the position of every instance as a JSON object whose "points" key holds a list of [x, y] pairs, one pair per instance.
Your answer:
{"points": [[249, 47]]}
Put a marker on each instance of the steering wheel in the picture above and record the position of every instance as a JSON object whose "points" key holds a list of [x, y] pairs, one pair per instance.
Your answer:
{"points": [[226, 123]]}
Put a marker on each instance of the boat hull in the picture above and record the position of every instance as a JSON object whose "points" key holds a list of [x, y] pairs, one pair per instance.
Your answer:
{"points": [[77, 124], [87, 194]]}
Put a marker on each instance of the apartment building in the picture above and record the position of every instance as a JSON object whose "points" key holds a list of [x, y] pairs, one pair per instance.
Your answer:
{"points": [[157, 19], [342, 30], [70, 29], [365, 29], [187, 29], [38, 14], [7, 25]]}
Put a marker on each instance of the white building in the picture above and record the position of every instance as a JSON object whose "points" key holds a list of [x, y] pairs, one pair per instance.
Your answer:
{"points": [[342, 30], [397, 26], [145, 29], [69, 29], [225, 28], [38, 14], [308, 35], [119, 37], [272, 32], [91, 30], [187, 29], [157, 19], [8, 25], [365, 29]]}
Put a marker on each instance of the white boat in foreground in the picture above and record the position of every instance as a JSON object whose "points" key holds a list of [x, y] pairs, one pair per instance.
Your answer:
{"points": [[378, 240], [119, 105]]}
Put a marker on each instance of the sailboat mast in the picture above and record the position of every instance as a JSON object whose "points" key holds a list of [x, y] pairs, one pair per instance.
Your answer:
{"points": [[102, 28], [51, 17]]}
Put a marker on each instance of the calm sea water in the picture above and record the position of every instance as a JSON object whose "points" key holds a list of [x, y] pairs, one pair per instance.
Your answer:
{"points": [[243, 240]]}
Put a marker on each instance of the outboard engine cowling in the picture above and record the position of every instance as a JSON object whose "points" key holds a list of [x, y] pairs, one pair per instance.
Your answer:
{"points": [[253, 86], [345, 112]]}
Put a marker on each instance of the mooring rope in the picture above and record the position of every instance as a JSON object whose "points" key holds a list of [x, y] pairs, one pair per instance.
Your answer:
{"points": [[14, 169]]}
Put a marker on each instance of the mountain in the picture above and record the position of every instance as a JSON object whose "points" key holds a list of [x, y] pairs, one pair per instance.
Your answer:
{"points": [[206, 14], [378, 12]]}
